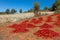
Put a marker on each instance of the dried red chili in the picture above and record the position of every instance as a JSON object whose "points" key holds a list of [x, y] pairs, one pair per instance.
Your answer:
{"points": [[49, 19], [18, 28], [25, 22], [34, 21], [46, 26], [40, 18], [30, 26], [21, 27], [46, 33], [58, 17], [57, 23]]}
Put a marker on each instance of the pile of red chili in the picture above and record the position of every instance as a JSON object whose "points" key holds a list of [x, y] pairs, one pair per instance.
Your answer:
{"points": [[43, 32], [46, 33], [46, 26]]}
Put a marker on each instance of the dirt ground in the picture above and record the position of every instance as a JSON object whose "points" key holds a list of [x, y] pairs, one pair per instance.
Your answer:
{"points": [[6, 34]]}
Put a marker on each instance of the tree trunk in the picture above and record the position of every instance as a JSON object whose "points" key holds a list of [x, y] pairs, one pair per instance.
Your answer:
{"points": [[36, 13]]}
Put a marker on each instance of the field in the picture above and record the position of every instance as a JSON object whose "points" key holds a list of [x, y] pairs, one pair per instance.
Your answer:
{"points": [[34, 28]]}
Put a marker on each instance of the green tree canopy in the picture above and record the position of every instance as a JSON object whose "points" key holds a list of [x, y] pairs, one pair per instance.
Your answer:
{"points": [[20, 10], [56, 5], [7, 11], [36, 8], [46, 8], [13, 11], [30, 10]]}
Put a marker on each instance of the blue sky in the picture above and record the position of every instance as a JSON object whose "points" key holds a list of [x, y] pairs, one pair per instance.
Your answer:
{"points": [[23, 4]]}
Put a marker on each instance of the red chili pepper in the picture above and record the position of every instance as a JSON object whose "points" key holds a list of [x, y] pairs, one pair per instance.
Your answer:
{"points": [[30, 26], [40, 18], [46, 26], [18, 28], [57, 23], [46, 33], [22, 27], [49, 19], [25, 22], [34, 21], [58, 17]]}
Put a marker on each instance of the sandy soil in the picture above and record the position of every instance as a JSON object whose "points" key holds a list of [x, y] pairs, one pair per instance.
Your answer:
{"points": [[6, 33]]}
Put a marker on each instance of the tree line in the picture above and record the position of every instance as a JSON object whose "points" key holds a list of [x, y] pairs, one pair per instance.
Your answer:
{"points": [[12, 11], [55, 7]]}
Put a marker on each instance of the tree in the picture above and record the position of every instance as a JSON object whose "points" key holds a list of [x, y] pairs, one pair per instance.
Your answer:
{"points": [[46, 8], [58, 9], [30, 10], [7, 11], [20, 10], [36, 8], [13, 11], [56, 5]]}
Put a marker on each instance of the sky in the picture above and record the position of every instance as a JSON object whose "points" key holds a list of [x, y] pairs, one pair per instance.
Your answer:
{"points": [[23, 4]]}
